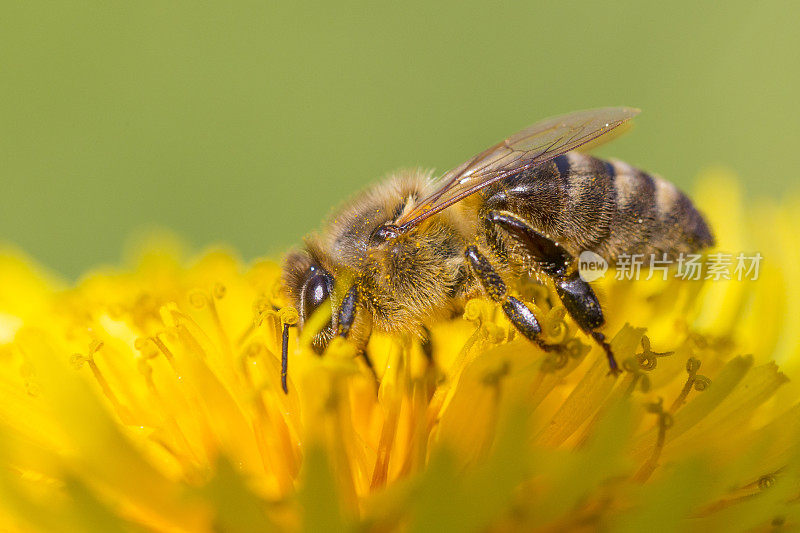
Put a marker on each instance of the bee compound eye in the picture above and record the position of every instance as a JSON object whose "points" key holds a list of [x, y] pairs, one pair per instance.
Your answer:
{"points": [[316, 291]]}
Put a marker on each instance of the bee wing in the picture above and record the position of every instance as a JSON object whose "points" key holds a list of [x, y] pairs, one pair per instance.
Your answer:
{"points": [[532, 146]]}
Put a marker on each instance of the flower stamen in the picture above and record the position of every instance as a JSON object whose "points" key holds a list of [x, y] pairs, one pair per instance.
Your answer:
{"points": [[665, 421], [647, 359], [78, 360], [695, 380]]}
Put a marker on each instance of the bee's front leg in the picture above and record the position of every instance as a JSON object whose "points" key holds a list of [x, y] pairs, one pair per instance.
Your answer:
{"points": [[577, 295], [347, 312], [516, 311], [346, 316]]}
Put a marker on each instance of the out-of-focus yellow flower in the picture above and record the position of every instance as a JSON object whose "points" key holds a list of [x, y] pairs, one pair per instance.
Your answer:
{"points": [[150, 400]]}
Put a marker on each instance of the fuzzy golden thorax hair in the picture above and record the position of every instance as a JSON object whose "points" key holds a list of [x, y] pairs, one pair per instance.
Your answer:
{"points": [[403, 283]]}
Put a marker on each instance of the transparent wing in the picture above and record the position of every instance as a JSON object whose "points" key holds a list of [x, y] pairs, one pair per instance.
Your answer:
{"points": [[530, 147]]}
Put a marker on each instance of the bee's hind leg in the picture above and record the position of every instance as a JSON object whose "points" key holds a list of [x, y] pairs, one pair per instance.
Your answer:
{"points": [[516, 311], [577, 295], [582, 305]]}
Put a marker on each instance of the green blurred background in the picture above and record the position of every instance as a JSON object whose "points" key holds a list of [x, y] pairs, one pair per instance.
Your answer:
{"points": [[244, 122]]}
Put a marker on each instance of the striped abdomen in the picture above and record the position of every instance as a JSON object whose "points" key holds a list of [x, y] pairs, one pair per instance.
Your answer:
{"points": [[610, 208]]}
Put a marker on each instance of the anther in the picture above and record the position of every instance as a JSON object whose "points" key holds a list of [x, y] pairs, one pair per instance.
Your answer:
{"points": [[289, 315], [198, 298], [262, 305], [146, 369], [694, 381], [575, 349], [556, 359], [648, 358], [554, 326], [494, 377], [701, 383], [253, 350], [77, 360], [218, 291], [638, 371], [474, 310], [147, 348]]}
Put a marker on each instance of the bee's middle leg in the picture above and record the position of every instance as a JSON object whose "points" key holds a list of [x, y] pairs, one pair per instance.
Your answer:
{"points": [[516, 311], [577, 295]]}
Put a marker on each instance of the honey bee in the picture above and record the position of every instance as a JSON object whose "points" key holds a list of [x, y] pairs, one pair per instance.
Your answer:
{"points": [[413, 249]]}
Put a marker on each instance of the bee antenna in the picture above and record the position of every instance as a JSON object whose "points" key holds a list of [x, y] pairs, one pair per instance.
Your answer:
{"points": [[285, 357]]}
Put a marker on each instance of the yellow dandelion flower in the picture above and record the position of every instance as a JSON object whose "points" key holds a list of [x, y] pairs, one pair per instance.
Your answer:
{"points": [[150, 399]]}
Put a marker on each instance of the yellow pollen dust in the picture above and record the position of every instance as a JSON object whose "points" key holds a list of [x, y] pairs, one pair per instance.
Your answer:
{"points": [[150, 399]]}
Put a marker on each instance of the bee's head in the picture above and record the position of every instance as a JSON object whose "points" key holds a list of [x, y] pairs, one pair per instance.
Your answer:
{"points": [[310, 288]]}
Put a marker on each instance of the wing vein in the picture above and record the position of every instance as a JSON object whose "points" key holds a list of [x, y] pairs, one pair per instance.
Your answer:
{"points": [[522, 151]]}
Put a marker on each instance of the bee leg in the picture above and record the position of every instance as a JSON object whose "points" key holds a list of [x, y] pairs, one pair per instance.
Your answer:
{"points": [[582, 305], [516, 311], [612, 362], [577, 295], [370, 366], [347, 312], [427, 347], [346, 317], [548, 254]]}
